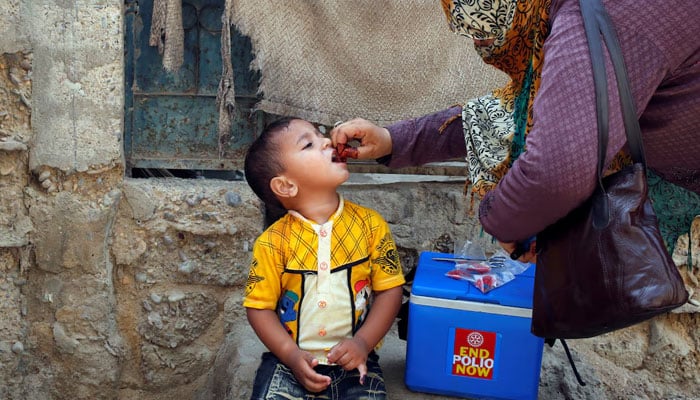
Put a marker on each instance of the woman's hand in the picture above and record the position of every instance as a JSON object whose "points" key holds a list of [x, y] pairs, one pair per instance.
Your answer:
{"points": [[375, 141], [529, 256]]}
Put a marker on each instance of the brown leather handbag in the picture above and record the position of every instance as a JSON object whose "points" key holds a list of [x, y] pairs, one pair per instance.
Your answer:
{"points": [[605, 266]]}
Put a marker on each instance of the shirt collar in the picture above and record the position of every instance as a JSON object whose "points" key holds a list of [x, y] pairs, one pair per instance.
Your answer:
{"points": [[336, 214]]}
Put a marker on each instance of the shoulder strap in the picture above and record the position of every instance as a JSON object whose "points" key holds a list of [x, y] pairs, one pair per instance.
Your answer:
{"points": [[596, 22], [629, 113], [600, 83]]}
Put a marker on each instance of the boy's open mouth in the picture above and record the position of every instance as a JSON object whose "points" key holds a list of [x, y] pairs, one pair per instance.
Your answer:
{"points": [[335, 157], [342, 152]]}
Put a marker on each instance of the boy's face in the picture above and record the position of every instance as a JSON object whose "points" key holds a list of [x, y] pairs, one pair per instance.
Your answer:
{"points": [[307, 158]]}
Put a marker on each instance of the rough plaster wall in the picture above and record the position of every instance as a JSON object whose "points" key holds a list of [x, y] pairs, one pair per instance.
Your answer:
{"points": [[59, 172], [70, 291], [15, 223], [180, 248], [78, 90], [15, 135], [13, 37]]}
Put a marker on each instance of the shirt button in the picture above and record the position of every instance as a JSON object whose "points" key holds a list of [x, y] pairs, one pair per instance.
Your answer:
{"points": [[322, 304], [323, 233], [324, 266], [321, 332]]}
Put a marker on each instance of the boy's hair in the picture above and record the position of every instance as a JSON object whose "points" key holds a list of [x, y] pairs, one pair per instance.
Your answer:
{"points": [[262, 163]]}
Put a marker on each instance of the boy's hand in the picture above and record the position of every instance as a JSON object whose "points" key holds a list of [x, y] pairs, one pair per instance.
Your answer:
{"points": [[302, 364], [266, 325], [350, 353]]}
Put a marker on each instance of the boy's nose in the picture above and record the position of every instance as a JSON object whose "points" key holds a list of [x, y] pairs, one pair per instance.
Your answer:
{"points": [[327, 142]]}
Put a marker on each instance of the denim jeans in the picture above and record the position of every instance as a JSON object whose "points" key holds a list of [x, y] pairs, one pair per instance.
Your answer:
{"points": [[273, 380]]}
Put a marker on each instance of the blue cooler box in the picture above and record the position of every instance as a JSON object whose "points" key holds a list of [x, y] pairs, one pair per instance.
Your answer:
{"points": [[465, 343]]}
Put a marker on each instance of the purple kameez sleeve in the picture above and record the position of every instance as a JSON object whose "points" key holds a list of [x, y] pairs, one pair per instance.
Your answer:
{"points": [[557, 171], [420, 140]]}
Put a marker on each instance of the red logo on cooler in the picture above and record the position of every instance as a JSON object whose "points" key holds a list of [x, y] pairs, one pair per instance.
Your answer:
{"points": [[474, 353]]}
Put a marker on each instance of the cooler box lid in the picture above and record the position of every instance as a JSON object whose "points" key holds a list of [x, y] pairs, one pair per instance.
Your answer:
{"points": [[430, 281]]}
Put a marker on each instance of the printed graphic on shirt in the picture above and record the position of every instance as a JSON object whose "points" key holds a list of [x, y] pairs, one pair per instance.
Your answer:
{"points": [[253, 277], [388, 259], [285, 309], [363, 291]]}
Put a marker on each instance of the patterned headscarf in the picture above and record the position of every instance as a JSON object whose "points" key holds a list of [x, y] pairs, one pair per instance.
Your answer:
{"points": [[495, 125]]}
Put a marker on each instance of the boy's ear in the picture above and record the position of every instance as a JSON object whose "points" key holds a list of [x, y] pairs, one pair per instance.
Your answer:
{"points": [[283, 187]]}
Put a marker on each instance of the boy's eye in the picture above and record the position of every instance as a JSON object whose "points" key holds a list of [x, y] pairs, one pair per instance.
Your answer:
{"points": [[308, 145]]}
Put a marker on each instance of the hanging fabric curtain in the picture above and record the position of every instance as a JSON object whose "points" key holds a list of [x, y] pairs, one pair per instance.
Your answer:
{"points": [[380, 60], [329, 61], [167, 33]]}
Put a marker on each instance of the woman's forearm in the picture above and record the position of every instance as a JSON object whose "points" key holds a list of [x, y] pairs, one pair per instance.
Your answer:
{"points": [[431, 138]]}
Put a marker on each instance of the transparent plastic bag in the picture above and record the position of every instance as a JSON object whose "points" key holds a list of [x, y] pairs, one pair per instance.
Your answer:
{"points": [[487, 275], [468, 249]]}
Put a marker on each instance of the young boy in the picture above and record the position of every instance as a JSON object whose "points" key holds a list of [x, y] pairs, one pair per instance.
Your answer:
{"points": [[325, 281]]}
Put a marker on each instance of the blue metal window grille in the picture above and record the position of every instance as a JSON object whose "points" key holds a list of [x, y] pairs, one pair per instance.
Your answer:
{"points": [[171, 119]]}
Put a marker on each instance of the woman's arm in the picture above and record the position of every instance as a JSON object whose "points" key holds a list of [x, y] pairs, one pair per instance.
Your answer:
{"points": [[557, 172], [430, 138]]}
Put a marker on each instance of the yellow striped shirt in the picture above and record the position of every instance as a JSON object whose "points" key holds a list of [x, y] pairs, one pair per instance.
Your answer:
{"points": [[320, 277]]}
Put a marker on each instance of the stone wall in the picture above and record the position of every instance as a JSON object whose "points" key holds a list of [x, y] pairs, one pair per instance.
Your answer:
{"points": [[116, 288]]}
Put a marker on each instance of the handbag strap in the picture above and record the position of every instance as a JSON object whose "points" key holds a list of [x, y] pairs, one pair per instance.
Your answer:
{"points": [[597, 22]]}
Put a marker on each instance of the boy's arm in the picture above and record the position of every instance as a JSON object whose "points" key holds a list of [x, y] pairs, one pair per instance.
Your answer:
{"points": [[352, 353], [381, 316], [267, 326]]}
